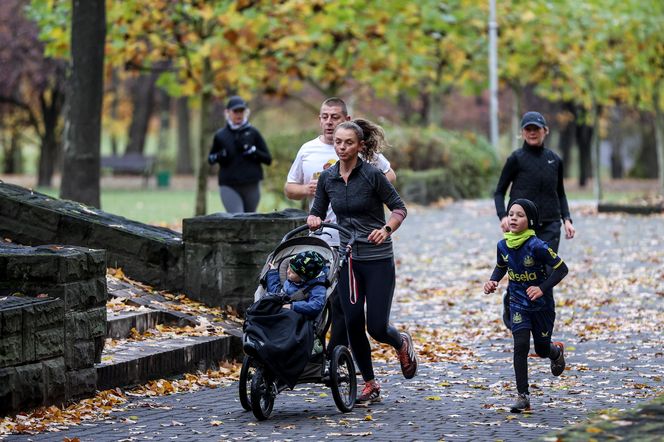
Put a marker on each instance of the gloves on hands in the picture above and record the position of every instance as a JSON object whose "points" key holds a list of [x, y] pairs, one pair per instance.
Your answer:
{"points": [[248, 150], [216, 157]]}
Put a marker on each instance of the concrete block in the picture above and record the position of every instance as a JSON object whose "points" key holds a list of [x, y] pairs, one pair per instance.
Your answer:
{"points": [[80, 354], [49, 343], [12, 320], [81, 383], [6, 389], [27, 384], [55, 380], [11, 350]]}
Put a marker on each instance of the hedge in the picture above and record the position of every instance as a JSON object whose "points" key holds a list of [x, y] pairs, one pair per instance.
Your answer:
{"points": [[430, 163]]}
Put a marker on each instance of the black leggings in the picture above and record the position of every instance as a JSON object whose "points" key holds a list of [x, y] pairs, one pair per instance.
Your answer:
{"points": [[375, 287], [521, 350]]}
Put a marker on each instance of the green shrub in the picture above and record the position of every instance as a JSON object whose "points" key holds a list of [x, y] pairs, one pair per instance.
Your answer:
{"points": [[430, 163], [433, 163], [283, 149]]}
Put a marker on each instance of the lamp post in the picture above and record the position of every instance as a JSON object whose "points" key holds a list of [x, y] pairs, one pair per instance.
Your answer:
{"points": [[493, 74]]}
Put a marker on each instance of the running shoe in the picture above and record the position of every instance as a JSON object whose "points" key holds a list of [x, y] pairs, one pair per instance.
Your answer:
{"points": [[522, 403], [407, 356], [558, 364], [370, 392]]}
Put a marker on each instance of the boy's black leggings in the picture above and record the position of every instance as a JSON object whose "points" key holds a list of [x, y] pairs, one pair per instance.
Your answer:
{"points": [[375, 286], [521, 350]]}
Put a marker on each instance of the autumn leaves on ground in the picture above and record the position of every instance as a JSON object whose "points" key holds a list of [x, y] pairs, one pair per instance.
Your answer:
{"points": [[613, 297]]}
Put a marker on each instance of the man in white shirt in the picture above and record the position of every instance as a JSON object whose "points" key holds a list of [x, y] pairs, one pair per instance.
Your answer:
{"points": [[313, 157]]}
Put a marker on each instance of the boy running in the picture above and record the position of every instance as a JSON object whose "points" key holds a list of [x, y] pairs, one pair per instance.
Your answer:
{"points": [[524, 258]]}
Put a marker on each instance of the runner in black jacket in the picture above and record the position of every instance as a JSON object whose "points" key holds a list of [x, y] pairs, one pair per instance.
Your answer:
{"points": [[358, 193], [535, 173], [239, 149]]}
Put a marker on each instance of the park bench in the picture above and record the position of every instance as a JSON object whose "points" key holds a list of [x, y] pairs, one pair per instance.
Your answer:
{"points": [[130, 164]]}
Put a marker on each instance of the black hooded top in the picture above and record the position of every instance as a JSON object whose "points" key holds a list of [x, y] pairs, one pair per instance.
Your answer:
{"points": [[535, 173]]}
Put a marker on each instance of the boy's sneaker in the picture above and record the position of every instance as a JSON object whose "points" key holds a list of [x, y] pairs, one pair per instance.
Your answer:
{"points": [[370, 392], [407, 356], [558, 364], [522, 403], [507, 320]]}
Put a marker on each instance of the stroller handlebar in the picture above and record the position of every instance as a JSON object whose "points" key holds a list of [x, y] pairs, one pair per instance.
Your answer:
{"points": [[337, 227]]}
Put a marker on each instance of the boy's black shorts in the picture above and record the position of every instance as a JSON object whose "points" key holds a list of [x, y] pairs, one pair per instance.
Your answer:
{"points": [[540, 323]]}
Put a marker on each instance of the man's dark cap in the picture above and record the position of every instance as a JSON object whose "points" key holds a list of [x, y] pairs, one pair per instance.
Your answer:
{"points": [[532, 118], [236, 102], [531, 211]]}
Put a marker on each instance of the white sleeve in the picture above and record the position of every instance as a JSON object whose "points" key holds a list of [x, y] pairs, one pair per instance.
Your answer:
{"points": [[381, 163], [295, 174]]}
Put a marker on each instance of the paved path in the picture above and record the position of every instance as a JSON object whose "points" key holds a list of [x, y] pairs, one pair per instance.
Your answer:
{"points": [[610, 316]]}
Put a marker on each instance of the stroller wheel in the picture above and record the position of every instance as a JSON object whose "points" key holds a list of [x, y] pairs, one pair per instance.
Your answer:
{"points": [[342, 379], [263, 392], [246, 375]]}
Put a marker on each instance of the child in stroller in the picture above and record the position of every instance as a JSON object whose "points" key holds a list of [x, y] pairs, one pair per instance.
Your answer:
{"points": [[288, 323], [307, 272]]}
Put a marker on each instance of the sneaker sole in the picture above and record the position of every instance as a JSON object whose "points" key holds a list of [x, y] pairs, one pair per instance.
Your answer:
{"points": [[368, 401], [519, 410]]}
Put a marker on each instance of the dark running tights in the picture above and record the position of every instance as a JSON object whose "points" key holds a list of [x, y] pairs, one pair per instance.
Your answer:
{"points": [[375, 286], [521, 349]]}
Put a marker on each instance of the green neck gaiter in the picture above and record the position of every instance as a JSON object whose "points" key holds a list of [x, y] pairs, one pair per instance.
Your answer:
{"points": [[516, 240]]}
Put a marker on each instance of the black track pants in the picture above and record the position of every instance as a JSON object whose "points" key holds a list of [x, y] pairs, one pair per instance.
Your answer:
{"points": [[375, 287]]}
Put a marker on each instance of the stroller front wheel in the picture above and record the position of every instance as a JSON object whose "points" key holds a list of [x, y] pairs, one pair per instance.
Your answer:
{"points": [[342, 379], [263, 392], [246, 375]]}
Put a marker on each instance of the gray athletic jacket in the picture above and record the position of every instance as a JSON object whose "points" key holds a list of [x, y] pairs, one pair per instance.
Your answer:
{"points": [[359, 206]]}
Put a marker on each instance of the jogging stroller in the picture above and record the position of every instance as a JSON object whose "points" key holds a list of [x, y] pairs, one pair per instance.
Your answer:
{"points": [[261, 377]]}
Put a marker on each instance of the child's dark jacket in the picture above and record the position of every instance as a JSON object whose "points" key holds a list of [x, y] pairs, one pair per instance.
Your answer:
{"points": [[315, 289]]}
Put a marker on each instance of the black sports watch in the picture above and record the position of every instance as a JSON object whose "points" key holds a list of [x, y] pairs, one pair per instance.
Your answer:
{"points": [[387, 228]]}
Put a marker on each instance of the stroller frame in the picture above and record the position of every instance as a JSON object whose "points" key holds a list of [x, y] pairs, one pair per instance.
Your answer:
{"points": [[258, 386]]}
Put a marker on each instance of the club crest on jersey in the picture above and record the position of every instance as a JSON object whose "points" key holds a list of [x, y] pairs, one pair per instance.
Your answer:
{"points": [[528, 261], [516, 318]]}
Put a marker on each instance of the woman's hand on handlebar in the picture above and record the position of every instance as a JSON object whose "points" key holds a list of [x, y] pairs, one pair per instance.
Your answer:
{"points": [[314, 222]]}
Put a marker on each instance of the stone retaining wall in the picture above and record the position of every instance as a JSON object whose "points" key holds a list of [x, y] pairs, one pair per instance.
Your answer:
{"points": [[224, 253], [149, 254], [48, 347]]}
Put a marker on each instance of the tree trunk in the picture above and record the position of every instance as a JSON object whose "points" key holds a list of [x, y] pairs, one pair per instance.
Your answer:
{"points": [[645, 165], [566, 138], [205, 139], [517, 94], [115, 103], [51, 142], [596, 154], [584, 134], [659, 136], [163, 144], [425, 109], [12, 153], [80, 177], [143, 105], [184, 137], [616, 137]]}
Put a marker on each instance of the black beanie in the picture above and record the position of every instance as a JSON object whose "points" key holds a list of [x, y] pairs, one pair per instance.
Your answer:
{"points": [[531, 211]]}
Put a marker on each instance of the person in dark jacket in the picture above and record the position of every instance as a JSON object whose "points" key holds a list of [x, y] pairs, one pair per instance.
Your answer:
{"points": [[358, 193], [307, 272], [535, 173], [239, 149]]}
